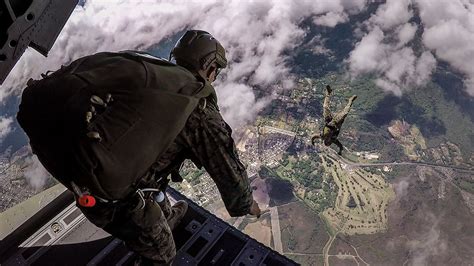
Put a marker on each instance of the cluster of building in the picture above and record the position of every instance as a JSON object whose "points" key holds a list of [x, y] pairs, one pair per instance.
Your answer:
{"points": [[13, 186], [202, 192]]}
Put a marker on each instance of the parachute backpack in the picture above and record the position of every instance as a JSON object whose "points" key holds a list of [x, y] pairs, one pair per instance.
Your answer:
{"points": [[98, 124]]}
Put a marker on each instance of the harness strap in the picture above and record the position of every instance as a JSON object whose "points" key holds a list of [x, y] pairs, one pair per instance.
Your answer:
{"points": [[85, 199]]}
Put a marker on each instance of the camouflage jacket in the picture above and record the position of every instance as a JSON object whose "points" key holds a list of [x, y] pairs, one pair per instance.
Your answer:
{"points": [[330, 132], [207, 140]]}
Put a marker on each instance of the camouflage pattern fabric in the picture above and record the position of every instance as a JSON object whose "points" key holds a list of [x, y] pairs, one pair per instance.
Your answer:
{"points": [[333, 123], [143, 228], [327, 115], [341, 116], [206, 140]]}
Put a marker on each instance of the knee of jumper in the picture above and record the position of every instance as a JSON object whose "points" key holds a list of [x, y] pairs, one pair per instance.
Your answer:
{"points": [[146, 216]]}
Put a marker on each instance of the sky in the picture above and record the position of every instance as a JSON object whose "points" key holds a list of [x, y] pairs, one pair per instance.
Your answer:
{"points": [[259, 37]]}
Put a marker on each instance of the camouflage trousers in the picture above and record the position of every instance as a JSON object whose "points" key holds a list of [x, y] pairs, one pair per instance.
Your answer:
{"points": [[143, 227], [339, 117]]}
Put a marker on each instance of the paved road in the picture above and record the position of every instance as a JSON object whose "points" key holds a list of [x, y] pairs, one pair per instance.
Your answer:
{"points": [[344, 160], [276, 229], [410, 163], [327, 247], [239, 221]]}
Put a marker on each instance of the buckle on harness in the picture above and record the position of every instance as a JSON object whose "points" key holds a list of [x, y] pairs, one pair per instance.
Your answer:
{"points": [[84, 199], [158, 197]]}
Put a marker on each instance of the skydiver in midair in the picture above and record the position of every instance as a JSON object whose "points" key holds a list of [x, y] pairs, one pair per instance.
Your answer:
{"points": [[332, 123]]}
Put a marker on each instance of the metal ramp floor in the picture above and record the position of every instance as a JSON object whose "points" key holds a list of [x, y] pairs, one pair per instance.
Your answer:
{"points": [[68, 238]]}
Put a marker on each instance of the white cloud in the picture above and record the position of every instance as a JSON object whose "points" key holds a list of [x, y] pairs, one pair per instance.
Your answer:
{"points": [[397, 66], [331, 19], [331, 13], [388, 86], [104, 26], [5, 127], [427, 244], [317, 45], [385, 50], [449, 32], [256, 35], [406, 33], [35, 173], [401, 188], [399, 63], [392, 14], [238, 102], [365, 57], [353, 6], [425, 65], [385, 47]]}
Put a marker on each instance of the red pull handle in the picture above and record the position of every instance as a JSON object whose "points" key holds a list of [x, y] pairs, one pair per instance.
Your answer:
{"points": [[86, 201]]}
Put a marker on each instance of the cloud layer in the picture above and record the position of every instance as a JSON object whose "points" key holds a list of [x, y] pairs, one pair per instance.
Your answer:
{"points": [[385, 49], [428, 244], [256, 35], [5, 127], [449, 32], [389, 46], [36, 175]]}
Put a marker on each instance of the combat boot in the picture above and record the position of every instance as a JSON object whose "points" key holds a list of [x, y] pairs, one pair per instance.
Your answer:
{"points": [[328, 89], [352, 99], [177, 213]]}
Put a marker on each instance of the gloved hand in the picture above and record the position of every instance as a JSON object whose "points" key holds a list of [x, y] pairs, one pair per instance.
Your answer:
{"points": [[255, 210]]}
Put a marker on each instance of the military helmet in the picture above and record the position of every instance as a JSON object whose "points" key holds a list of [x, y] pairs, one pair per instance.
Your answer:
{"points": [[198, 50]]}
